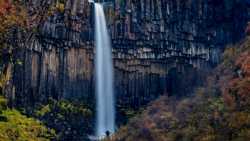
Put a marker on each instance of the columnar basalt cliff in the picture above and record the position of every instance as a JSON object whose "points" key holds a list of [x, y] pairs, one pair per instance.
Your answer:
{"points": [[159, 47]]}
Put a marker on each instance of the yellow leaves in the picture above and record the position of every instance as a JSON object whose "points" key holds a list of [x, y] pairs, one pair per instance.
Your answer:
{"points": [[60, 7], [209, 137], [2, 80], [20, 128], [244, 135], [17, 127], [11, 14], [3, 103], [229, 56], [239, 119], [5, 76], [43, 111]]}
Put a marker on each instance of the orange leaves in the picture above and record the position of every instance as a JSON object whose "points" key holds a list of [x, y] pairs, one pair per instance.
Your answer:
{"points": [[243, 62], [5, 6], [238, 93], [239, 120], [235, 87], [218, 112], [229, 100], [11, 14]]}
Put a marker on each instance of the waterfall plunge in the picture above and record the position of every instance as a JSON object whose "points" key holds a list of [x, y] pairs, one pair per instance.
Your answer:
{"points": [[104, 75]]}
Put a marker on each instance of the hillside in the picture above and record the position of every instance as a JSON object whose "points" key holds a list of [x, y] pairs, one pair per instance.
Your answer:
{"points": [[17, 127], [160, 48], [220, 111]]}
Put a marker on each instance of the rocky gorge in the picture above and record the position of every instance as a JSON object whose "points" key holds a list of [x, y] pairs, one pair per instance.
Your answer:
{"points": [[160, 47]]}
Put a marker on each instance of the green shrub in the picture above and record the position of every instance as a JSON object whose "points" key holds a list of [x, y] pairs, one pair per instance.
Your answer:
{"points": [[18, 127], [70, 121], [3, 103]]}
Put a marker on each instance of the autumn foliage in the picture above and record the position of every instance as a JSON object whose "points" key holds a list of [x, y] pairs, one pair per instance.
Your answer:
{"points": [[235, 86], [218, 112], [11, 14], [12, 17], [5, 6]]}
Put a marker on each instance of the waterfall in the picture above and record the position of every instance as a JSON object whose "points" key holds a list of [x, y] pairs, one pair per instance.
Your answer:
{"points": [[104, 75]]}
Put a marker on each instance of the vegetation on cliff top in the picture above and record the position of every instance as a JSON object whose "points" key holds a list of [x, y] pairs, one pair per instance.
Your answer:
{"points": [[13, 125], [11, 14], [219, 111], [13, 17]]}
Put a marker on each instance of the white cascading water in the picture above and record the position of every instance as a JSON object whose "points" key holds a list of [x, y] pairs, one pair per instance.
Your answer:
{"points": [[104, 75]]}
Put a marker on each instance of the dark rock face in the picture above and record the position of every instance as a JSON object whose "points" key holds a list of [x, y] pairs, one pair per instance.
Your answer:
{"points": [[159, 47]]}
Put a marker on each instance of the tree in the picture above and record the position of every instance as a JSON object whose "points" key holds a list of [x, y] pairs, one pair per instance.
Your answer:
{"points": [[12, 16]]}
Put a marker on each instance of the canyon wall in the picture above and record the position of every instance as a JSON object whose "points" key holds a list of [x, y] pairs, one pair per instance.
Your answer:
{"points": [[159, 47]]}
